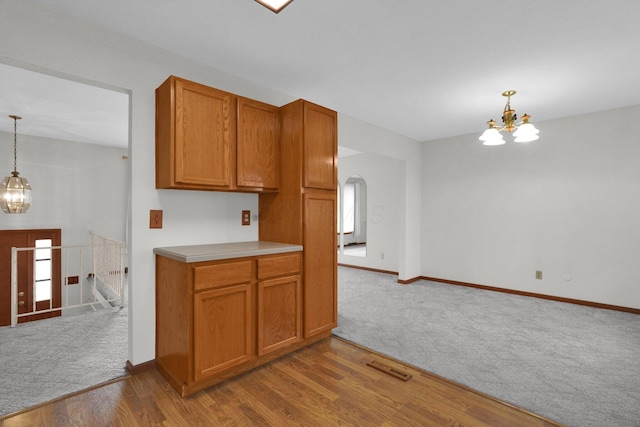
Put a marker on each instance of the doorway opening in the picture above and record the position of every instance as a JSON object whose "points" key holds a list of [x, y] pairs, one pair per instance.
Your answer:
{"points": [[75, 144], [352, 217]]}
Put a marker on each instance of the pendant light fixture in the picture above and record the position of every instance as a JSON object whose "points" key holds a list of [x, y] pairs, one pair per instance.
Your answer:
{"points": [[274, 5], [15, 191], [524, 131]]}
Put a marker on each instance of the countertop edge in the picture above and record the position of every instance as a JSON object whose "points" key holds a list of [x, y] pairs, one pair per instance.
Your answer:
{"points": [[219, 252]]}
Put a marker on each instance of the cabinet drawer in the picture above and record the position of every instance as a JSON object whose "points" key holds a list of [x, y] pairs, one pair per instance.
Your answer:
{"points": [[278, 266], [211, 276]]}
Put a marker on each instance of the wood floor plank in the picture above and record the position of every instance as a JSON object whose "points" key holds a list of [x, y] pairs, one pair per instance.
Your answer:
{"points": [[278, 396], [325, 384], [297, 394]]}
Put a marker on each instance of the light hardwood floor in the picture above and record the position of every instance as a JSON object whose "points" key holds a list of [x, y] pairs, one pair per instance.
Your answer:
{"points": [[326, 384]]}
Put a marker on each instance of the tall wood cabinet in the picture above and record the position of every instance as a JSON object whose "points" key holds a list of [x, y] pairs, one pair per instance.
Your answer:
{"points": [[304, 211], [320, 258], [208, 139]]}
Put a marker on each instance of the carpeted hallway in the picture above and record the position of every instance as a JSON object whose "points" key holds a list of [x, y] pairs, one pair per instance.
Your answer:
{"points": [[50, 358], [574, 364]]}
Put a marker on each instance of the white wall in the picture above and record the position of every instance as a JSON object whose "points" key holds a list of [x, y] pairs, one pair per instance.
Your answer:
{"points": [[35, 37], [366, 138], [384, 180], [567, 204], [79, 188]]}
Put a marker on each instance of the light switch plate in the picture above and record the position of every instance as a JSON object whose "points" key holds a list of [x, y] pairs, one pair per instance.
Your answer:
{"points": [[155, 219]]}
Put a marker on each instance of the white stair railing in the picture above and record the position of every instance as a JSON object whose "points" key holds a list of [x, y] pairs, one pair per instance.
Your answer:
{"points": [[106, 258], [108, 264]]}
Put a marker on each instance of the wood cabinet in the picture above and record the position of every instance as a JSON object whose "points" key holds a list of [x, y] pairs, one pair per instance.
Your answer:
{"points": [[258, 145], [320, 146], [208, 139], [279, 303], [320, 262], [195, 136], [222, 317], [216, 319], [304, 211]]}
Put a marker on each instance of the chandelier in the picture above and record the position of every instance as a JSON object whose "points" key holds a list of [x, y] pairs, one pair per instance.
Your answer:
{"points": [[15, 191], [524, 131], [275, 5]]}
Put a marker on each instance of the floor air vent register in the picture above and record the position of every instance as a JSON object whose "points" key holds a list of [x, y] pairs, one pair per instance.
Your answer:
{"points": [[394, 372]]}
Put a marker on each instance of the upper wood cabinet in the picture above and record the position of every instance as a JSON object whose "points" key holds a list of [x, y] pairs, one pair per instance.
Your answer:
{"points": [[320, 147], [309, 146], [208, 139], [258, 144], [195, 136]]}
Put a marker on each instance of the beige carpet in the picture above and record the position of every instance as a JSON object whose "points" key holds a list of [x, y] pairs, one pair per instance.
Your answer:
{"points": [[574, 364], [47, 359]]}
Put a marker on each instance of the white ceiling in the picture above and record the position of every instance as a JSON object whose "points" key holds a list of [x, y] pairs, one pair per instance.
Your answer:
{"points": [[59, 108], [426, 69]]}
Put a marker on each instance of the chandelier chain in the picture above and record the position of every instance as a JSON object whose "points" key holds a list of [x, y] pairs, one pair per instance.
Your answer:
{"points": [[15, 144]]}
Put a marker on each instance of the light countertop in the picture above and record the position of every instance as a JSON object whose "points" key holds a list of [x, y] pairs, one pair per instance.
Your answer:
{"points": [[213, 252]]}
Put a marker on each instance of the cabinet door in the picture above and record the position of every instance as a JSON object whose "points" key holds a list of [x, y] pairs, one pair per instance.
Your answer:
{"points": [[320, 262], [258, 145], [222, 331], [279, 313], [320, 147], [204, 152]]}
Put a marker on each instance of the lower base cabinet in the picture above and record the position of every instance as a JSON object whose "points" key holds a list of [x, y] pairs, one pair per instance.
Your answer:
{"points": [[279, 314], [217, 319], [222, 329]]}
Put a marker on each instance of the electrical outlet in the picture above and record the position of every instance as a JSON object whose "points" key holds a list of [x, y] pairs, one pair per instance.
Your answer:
{"points": [[73, 280], [539, 274], [246, 217]]}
